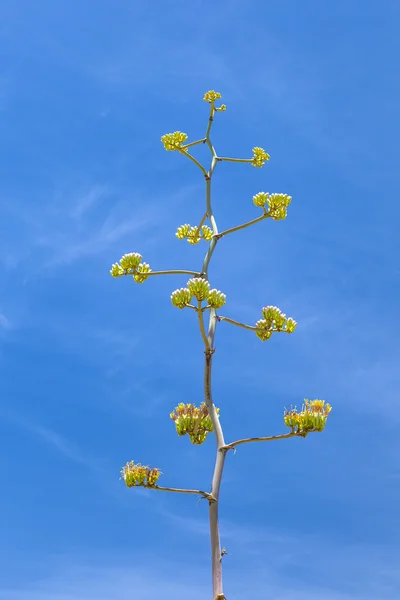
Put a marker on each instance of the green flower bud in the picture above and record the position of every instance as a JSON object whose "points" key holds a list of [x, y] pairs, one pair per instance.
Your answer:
{"points": [[183, 231], [130, 261], [207, 233], [260, 199], [174, 141], [211, 96], [216, 299], [290, 325], [193, 236], [181, 298], [117, 271], [142, 272], [259, 157], [199, 288], [277, 205], [264, 331]]}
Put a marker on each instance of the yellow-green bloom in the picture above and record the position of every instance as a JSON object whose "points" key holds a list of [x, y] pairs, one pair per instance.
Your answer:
{"points": [[260, 199], [183, 231], [222, 108], [181, 298], [207, 233], [130, 261], [313, 417], [264, 330], [199, 288], [211, 96], [174, 141], [142, 273], [277, 205], [192, 420], [290, 325], [139, 475], [194, 234], [259, 157], [216, 299], [117, 270]]}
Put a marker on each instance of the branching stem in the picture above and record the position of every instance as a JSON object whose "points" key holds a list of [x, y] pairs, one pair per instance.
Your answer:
{"points": [[206, 495], [236, 160], [239, 227], [271, 438], [173, 272]]}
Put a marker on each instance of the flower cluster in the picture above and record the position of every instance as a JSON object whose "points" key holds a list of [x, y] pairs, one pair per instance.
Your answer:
{"points": [[211, 96], [138, 475], [194, 234], [313, 417], [277, 204], [130, 264], [259, 157], [198, 288], [274, 320], [192, 420], [174, 141]]}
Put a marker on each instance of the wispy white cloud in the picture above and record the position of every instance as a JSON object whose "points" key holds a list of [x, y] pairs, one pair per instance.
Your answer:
{"points": [[179, 583]]}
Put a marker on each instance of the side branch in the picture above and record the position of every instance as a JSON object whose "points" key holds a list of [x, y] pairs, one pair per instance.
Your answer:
{"points": [[206, 495], [249, 327], [236, 160], [239, 227], [172, 272], [196, 162], [271, 438]]}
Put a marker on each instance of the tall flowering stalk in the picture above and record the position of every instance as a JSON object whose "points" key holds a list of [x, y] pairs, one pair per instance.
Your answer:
{"points": [[200, 421]]}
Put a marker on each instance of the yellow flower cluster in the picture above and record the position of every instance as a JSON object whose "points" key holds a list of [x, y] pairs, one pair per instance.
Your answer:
{"points": [[259, 157], [274, 320], [138, 475], [313, 417], [211, 96], [194, 421], [198, 288], [174, 141], [277, 204], [194, 234], [130, 264]]}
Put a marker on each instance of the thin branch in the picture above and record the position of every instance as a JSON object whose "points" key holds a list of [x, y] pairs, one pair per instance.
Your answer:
{"points": [[236, 160], [194, 143], [239, 227], [196, 162], [173, 272], [200, 225], [202, 329], [271, 438], [242, 325], [206, 495], [249, 327]]}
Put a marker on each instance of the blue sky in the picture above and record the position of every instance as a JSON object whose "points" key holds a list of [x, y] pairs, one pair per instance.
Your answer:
{"points": [[90, 367]]}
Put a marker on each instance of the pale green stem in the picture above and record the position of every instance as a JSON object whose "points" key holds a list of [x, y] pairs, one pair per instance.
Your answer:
{"points": [[206, 495], [242, 325], [249, 327], [196, 162], [203, 141], [200, 225], [209, 351], [173, 272], [271, 438], [239, 227], [236, 160], [202, 329]]}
